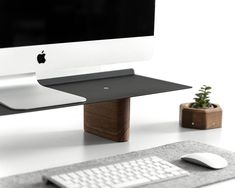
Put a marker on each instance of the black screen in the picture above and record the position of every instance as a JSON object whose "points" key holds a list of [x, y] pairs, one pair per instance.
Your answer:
{"points": [[29, 22]]}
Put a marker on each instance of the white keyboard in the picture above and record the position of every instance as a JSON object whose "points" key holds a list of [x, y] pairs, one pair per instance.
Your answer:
{"points": [[124, 174]]}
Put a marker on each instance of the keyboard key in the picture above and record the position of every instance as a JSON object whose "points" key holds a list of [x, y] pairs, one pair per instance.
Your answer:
{"points": [[132, 183]]}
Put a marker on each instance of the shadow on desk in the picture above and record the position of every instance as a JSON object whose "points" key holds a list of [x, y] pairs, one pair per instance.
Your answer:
{"points": [[50, 140], [165, 132], [161, 127]]}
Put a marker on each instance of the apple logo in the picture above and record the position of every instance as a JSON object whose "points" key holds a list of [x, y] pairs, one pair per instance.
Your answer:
{"points": [[41, 57]]}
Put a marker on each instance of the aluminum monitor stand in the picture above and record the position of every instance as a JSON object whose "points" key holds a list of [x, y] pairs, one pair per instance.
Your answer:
{"points": [[23, 92]]}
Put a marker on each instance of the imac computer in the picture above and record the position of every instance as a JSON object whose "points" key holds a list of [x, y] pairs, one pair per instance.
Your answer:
{"points": [[49, 38]]}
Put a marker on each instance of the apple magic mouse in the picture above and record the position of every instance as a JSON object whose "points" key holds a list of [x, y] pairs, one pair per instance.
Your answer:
{"points": [[209, 160]]}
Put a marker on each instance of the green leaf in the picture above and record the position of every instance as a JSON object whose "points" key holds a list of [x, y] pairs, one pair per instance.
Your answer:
{"points": [[199, 94]]}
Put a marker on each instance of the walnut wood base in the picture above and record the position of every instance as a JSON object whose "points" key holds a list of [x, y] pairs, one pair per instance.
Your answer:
{"points": [[110, 120]]}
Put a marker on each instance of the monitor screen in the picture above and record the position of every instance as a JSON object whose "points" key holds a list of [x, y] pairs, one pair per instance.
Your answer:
{"points": [[29, 22]]}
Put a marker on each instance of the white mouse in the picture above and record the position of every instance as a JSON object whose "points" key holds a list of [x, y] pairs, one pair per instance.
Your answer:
{"points": [[206, 159]]}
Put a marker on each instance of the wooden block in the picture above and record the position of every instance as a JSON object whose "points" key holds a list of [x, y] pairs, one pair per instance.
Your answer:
{"points": [[110, 120], [209, 118]]}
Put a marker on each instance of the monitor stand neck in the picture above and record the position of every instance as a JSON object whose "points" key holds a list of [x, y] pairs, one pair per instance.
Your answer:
{"points": [[24, 92]]}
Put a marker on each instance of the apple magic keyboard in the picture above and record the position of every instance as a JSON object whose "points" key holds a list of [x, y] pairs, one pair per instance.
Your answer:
{"points": [[131, 173]]}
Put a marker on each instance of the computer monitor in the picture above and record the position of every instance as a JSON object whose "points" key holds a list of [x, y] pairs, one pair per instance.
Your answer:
{"points": [[42, 39]]}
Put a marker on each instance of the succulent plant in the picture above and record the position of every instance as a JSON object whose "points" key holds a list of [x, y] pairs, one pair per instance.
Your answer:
{"points": [[202, 99]]}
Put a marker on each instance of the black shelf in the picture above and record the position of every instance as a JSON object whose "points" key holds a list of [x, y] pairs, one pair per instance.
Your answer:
{"points": [[105, 86]]}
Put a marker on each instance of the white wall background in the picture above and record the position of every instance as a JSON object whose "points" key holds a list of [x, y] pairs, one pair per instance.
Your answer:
{"points": [[195, 45]]}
